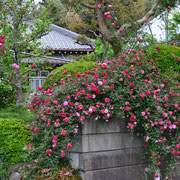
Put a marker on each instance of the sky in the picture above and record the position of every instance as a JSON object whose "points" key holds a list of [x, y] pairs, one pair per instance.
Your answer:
{"points": [[37, 1], [157, 27]]}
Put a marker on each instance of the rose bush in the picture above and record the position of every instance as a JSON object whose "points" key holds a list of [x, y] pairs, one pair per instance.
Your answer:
{"points": [[130, 87]]}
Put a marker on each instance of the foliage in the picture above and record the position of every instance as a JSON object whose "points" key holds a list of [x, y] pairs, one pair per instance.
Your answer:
{"points": [[13, 136], [129, 87], [60, 13], [74, 67], [99, 51], [64, 172], [2, 171], [13, 112], [7, 94], [167, 58]]}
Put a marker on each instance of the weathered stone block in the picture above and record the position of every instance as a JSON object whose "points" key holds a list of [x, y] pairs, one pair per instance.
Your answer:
{"points": [[107, 159], [105, 142], [111, 159], [120, 173], [15, 176], [101, 127]]}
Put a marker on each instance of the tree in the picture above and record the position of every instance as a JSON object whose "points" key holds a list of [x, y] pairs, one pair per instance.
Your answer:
{"points": [[173, 26], [109, 19], [21, 27], [60, 12]]}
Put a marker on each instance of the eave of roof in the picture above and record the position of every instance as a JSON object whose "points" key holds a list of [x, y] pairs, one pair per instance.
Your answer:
{"points": [[49, 59]]}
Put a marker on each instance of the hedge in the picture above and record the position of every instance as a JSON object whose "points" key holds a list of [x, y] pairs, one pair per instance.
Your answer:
{"points": [[167, 58], [74, 67], [13, 137]]}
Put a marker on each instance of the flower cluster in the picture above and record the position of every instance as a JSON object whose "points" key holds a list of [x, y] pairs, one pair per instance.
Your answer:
{"points": [[132, 89], [2, 41]]}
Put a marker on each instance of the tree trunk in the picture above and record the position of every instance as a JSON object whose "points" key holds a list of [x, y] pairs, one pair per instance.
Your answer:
{"points": [[117, 48], [106, 46], [19, 94]]}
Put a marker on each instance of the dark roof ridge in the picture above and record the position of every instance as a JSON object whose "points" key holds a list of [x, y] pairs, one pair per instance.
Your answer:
{"points": [[64, 31]]}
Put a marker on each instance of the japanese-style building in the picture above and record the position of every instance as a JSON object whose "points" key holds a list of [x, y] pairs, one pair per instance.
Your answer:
{"points": [[63, 44]]}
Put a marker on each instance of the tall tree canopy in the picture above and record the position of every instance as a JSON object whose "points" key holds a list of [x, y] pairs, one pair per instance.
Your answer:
{"points": [[117, 19], [21, 27]]}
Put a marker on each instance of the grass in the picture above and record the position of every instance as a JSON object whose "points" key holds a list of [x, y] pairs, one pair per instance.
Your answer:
{"points": [[15, 112]]}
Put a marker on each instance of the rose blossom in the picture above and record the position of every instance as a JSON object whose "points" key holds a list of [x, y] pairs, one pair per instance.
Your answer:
{"points": [[69, 146], [63, 133], [99, 5], [49, 151], [36, 129]]}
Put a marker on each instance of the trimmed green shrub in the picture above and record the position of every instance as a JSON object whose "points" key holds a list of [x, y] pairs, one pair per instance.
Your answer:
{"points": [[13, 137], [74, 67], [166, 58]]}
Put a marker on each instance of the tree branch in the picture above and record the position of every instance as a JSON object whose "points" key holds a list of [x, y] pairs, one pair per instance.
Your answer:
{"points": [[142, 20], [102, 24], [35, 55], [88, 5], [27, 71], [37, 36], [149, 14], [95, 34]]}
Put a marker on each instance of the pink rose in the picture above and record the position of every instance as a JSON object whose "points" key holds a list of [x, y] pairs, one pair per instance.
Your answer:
{"points": [[169, 7], [147, 92], [49, 151], [55, 102], [49, 111], [99, 5], [142, 95], [176, 105], [173, 152], [66, 119], [69, 146], [63, 133], [65, 103], [36, 129], [33, 66], [107, 100], [109, 16], [3, 36], [30, 106], [131, 85], [147, 138], [63, 154], [65, 72], [54, 145], [143, 113], [127, 108]]}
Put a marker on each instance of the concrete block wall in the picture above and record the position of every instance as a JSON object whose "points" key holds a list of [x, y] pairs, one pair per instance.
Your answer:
{"points": [[104, 152]]}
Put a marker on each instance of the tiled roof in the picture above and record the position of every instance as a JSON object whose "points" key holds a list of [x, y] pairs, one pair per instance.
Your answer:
{"points": [[63, 39]]}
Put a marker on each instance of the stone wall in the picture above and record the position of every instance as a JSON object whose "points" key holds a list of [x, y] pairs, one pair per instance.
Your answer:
{"points": [[104, 152]]}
